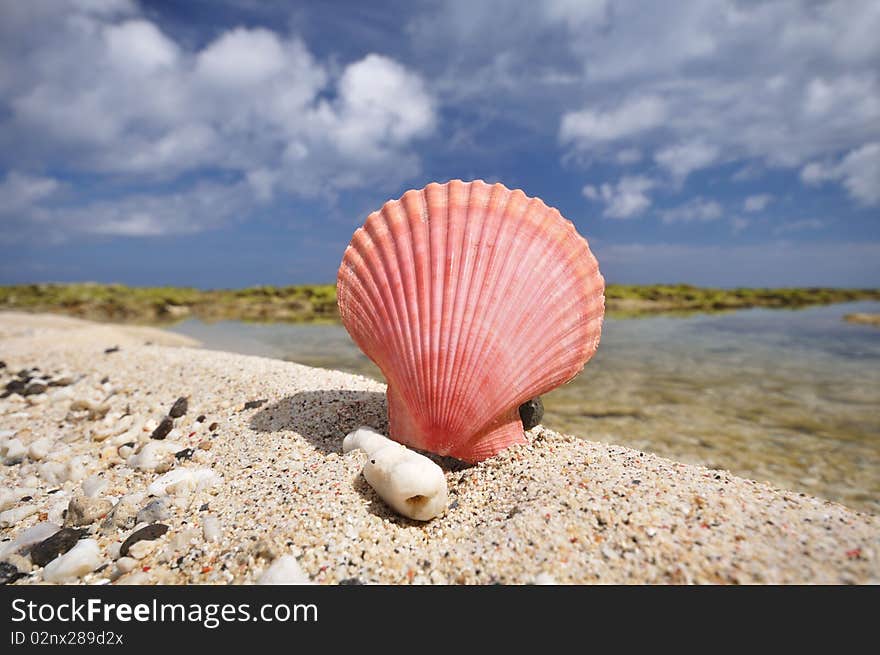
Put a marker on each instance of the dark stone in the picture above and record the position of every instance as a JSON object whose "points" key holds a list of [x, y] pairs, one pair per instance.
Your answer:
{"points": [[213, 426], [16, 386], [204, 508], [253, 404], [114, 349], [61, 382], [2, 364], [201, 418], [24, 373], [531, 413], [163, 428], [148, 533], [186, 453], [58, 544], [351, 581], [34, 388], [105, 379], [179, 408], [9, 573]]}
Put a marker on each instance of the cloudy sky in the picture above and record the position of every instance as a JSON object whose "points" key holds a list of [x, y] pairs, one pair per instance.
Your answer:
{"points": [[232, 143]]}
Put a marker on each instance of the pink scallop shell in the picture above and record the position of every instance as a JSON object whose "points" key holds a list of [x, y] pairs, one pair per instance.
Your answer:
{"points": [[471, 298]]}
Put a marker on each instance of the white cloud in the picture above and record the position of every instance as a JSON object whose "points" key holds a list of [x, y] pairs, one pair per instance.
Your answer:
{"points": [[576, 14], [759, 85], [19, 191], [698, 209], [861, 174], [757, 202], [139, 44], [626, 199], [684, 158], [858, 171], [103, 91], [628, 156], [380, 104], [631, 117], [201, 207], [242, 58], [816, 173]]}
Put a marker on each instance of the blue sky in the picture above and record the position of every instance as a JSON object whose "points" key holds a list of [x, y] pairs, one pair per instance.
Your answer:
{"points": [[224, 144]]}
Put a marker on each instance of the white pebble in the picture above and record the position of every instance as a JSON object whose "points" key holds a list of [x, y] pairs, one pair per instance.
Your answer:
{"points": [[83, 558], [132, 434], [52, 472], [40, 448], [111, 426], [410, 483], [154, 456], [183, 539], [7, 498], [142, 548], [12, 516], [93, 485], [113, 549], [10, 497], [76, 469], [13, 451], [28, 537], [58, 507], [211, 528], [182, 481], [284, 570], [126, 564]]}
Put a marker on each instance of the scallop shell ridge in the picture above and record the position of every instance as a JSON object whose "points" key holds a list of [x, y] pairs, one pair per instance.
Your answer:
{"points": [[471, 298]]}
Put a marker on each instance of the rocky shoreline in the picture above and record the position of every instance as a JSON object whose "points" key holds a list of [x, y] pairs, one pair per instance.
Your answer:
{"points": [[130, 457], [316, 303]]}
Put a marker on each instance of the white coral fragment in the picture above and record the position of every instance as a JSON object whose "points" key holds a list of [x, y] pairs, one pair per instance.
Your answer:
{"points": [[410, 483]]}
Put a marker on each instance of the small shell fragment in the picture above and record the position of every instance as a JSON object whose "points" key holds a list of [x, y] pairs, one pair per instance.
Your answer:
{"points": [[410, 483]]}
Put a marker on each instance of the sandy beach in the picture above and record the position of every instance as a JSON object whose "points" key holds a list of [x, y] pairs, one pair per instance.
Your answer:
{"points": [[257, 472]]}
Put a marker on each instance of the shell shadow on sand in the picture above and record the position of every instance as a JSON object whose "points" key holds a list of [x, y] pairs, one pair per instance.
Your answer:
{"points": [[323, 418]]}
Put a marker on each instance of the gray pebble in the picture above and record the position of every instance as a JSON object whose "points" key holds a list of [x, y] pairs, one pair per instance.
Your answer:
{"points": [[179, 408], [123, 515], [83, 510], [154, 511], [34, 388]]}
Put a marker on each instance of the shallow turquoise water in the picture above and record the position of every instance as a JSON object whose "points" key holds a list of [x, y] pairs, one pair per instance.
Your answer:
{"points": [[787, 396]]}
